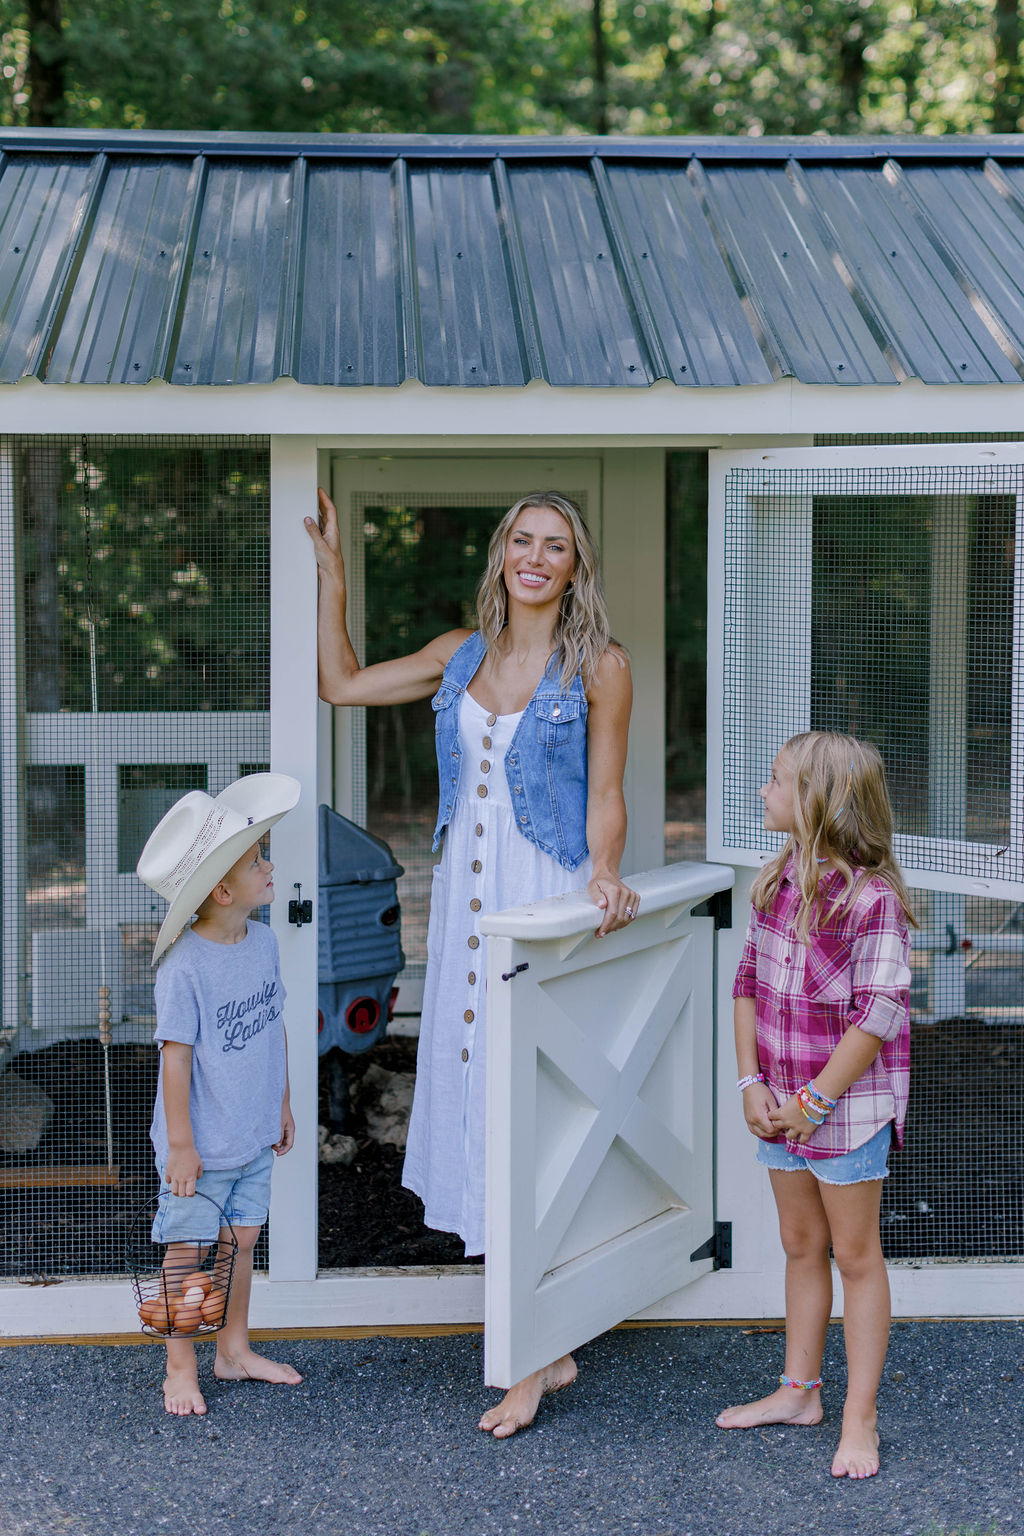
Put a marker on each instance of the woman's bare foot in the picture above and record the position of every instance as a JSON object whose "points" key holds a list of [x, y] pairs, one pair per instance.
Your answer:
{"points": [[789, 1405], [246, 1365], [857, 1453], [181, 1390], [519, 1405]]}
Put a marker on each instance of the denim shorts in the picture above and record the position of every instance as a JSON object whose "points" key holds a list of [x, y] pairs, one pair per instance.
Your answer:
{"points": [[856, 1167], [243, 1194]]}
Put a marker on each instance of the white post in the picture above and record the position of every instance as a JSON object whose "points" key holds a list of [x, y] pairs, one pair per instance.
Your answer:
{"points": [[633, 564], [293, 749], [947, 739]]}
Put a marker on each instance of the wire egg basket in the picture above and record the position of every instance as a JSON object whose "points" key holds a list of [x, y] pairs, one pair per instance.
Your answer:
{"points": [[185, 1294]]}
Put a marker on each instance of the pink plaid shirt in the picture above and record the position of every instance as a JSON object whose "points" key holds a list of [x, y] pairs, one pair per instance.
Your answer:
{"points": [[854, 971]]}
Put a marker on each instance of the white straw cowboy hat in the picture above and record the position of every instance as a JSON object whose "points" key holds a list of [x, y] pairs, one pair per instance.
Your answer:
{"points": [[200, 838]]}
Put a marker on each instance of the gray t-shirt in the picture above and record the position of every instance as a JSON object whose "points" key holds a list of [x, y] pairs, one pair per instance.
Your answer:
{"points": [[226, 1002]]}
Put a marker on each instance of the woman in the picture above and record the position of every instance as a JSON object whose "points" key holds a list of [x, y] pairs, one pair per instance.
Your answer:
{"points": [[532, 715]]}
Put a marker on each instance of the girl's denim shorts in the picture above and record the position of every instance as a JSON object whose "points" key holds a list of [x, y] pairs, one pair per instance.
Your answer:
{"points": [[243, 1194], [856, 1167]]}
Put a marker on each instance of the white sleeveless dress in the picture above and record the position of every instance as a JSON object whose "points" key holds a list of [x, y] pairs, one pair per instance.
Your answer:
{"points": [[487, 865]]}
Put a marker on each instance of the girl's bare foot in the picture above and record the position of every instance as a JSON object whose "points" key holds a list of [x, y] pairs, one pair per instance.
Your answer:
{"points": [[519, 1405], [246, 1365], [857, 1453], [181, 1390], [789, 1405]]}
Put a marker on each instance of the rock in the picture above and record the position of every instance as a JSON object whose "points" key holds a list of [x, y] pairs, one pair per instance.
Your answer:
{"points": [[25, 1112]]}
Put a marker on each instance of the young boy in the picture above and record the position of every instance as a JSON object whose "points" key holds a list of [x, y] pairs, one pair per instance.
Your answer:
{"points": [[222, 1110]]}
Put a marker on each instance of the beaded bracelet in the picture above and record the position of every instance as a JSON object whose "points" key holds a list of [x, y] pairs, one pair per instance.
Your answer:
{"points": [[748, 1082], [821, 1098], [805, 1386], [813, 1110]]}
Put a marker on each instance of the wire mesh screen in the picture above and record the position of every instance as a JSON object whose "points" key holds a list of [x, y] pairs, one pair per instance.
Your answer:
{"points": [[967, 1043], [885, 603], [882, 603], [135, 667], [421, 560]]}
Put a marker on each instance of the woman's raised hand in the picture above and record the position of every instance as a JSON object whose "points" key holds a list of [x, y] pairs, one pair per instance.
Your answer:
{"points": [[619, 904], [327, 540]]}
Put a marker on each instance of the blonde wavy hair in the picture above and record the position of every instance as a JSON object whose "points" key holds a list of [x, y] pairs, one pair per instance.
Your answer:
{"points": [[581, 630], [841, 812]]}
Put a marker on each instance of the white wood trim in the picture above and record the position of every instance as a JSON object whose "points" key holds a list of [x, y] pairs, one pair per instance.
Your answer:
{"points": [[293, 749], [429, 1297], [662, 414], [633, 563]]}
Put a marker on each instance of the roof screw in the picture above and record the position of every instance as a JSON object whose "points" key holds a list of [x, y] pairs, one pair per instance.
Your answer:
{"points": [[187, 367], [682, 368], [348, 367], [348, 255], [163, 253], [840, 367], [473, 368], [136, 367], [963, 367], [600, 255], [785, 253], [892, 253], [644, 255], [459, 255], [17, 250], [632, 367]]}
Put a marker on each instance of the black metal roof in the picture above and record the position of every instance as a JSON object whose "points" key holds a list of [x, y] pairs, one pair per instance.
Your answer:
{"points": [[365, 260]]}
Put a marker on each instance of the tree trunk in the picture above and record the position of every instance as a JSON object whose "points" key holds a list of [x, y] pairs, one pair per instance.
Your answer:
{"points": [[600, 68], [42, 469], [44, 77], [1007, 103]]}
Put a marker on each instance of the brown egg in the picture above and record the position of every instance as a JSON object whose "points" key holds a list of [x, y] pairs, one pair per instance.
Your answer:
{"points": [[186, 1319], [212, 1309], [198, 1277], [154, 1311]]}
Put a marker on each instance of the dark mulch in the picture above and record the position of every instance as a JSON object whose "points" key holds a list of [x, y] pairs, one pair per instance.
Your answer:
{"points": [[366, 1217]]}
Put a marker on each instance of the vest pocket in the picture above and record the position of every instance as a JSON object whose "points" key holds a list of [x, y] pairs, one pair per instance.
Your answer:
{"points": [[445, 696], [556, 717]]}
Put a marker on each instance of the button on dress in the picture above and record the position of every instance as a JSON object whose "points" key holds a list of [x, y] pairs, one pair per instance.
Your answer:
{"points": [[487, 865]]}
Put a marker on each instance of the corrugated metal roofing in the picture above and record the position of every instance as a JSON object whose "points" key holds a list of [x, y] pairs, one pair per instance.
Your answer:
{"points": [[357, 260]]}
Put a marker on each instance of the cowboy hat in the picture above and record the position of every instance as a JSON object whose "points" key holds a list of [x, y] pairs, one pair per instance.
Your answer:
{"points": [[199, 839]]}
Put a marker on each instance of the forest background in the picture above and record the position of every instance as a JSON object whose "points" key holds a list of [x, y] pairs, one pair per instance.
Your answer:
{"points": [[515, 66]]}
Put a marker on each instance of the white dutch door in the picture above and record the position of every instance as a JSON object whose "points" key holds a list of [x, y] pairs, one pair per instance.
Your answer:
{"points": [[599, 1114]]}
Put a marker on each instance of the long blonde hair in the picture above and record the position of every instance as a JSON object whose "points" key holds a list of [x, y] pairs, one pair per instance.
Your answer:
{"points": [[841, 812], [581, 630]]}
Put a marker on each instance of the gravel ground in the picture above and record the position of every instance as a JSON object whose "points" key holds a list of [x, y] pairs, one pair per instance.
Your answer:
{"points": [[381, 1438]]}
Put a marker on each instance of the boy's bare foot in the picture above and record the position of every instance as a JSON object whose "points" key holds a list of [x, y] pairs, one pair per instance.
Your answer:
{"points": [[857, 1454], [519, 1405], [789, 1405], [246, 1365], [181, 1391]]}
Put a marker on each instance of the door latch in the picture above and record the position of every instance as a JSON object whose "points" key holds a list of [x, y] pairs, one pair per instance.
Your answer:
{"points": [[300, 911]]}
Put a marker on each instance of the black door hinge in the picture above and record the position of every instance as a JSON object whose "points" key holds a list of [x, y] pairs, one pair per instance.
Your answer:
{"points": [[718, 906], [718, 1247], [300, 911]]}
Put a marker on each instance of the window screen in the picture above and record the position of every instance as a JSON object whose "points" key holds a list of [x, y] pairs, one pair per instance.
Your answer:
{"points": [[883, 603], [134, 667]]}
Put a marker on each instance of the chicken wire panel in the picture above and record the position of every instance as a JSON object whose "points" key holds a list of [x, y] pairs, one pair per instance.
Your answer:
{"points": [[938, 1204], [135, 667], [882, 602], [420, 559]]}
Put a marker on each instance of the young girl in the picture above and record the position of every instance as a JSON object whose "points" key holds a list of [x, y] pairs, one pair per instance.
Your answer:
{"points": [[823, 1050]]}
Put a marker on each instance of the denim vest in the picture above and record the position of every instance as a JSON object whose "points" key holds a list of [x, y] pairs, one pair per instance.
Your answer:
{"points": [[546, 763]]}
